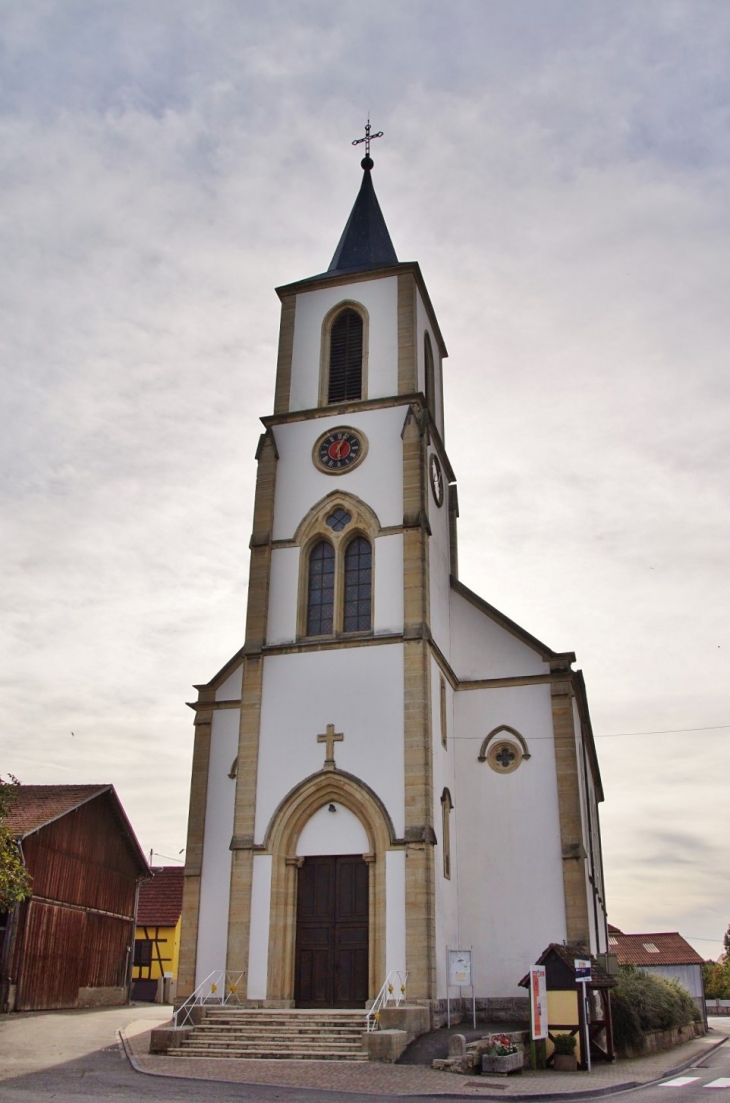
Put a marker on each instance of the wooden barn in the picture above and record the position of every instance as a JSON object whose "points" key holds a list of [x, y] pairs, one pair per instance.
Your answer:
{"points": [[70, 943]]}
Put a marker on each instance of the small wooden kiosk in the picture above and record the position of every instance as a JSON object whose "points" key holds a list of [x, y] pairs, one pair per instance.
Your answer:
{"points": [[566, 1011]]}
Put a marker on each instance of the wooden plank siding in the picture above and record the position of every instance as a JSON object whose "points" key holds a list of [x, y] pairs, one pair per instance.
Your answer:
{"points": [[84, 858], [77, 929]]}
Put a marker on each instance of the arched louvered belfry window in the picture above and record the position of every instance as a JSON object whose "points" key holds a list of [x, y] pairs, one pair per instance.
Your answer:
{"points": [[345, 366], [358, 585], [321, 589]]}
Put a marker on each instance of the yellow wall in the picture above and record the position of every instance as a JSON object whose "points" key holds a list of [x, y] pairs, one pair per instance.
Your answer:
{"points": [[168, 946], [562, 1011]]}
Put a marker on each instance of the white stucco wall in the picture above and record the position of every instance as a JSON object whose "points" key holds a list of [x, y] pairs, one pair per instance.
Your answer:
{"points": [[258, 954], [378, 480], [511, 895], [338, 832], [423, 326], [444, 777], [592, 845], [281, 625], [216, 870], [388, 580], [439, 568], [230, 690], [380, 299], [395, 911], [480, 648], [360, 691]]}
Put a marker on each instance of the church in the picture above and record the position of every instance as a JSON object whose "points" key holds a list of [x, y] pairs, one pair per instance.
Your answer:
{"points": [[390, 768]]}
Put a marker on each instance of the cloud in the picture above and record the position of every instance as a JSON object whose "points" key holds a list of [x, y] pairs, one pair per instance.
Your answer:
{"points": [[560, 172]]}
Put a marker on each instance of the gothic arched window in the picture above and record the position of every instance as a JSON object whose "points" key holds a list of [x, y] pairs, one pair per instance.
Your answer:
{"points": [[447, 806], [337, 567], [345, 357], [430, 374], [358, 585], [321, 590]]}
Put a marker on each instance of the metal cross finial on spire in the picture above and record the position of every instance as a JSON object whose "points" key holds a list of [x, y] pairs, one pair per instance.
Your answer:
{"points": [[367, 139]]}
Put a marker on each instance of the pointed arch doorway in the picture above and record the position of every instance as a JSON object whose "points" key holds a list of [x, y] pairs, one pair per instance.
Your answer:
{"points": [[357, 834]]}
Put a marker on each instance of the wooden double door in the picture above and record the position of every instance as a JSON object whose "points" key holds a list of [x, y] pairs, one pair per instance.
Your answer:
{"points": [[331, 964]]}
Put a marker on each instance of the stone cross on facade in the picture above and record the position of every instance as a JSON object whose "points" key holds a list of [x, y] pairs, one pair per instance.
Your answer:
{"points": [[330, 737]]}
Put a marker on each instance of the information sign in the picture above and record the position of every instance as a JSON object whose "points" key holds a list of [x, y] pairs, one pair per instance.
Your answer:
{"points": [[582, 969], [538, 1003], [459, 968]]}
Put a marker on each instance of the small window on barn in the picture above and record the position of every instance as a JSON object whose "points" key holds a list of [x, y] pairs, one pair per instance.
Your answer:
{"points": [[345, 357], [143, 951], [651, 948]]}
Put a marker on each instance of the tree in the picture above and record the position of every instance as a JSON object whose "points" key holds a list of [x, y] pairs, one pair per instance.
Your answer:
{"points": [[716, 975], [14, 877], [726, 943]]}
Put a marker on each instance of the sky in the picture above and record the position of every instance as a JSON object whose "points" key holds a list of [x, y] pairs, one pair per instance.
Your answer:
{"points": [[560, 171]]}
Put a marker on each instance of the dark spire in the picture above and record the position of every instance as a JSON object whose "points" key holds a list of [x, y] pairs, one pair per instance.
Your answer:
{"points": [[365, 242]]}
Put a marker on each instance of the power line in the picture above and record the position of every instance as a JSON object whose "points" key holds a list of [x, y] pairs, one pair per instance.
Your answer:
{"points": [[664, 731], [619, 735]]}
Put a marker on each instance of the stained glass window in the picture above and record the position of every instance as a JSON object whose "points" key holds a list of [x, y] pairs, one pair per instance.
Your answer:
{"points": [[358, 585], [321, 591], [339, 519]]}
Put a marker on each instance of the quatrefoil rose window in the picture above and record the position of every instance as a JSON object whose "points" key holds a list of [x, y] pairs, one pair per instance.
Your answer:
{"points": [[504, 749]]}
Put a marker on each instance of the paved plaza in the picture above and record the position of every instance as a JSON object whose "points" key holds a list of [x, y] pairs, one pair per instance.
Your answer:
{"points": [[37, 1043]]}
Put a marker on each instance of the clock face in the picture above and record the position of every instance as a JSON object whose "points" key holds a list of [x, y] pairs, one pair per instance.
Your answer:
{"points": [[437, 479], [339, 450]]}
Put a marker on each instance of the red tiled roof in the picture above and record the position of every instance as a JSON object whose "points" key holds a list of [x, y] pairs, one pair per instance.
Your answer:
{"points": [[160, 900], [667, 948], [36, 805]]}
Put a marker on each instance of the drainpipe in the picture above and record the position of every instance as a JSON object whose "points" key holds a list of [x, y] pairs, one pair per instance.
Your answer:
{"points": [[129, 964]]}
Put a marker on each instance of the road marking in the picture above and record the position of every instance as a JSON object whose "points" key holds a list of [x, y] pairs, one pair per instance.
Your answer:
{"points": [[680, 1081], [723, 1082]]}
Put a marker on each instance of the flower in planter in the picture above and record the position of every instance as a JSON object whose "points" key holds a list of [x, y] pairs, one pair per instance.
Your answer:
{"points": [[501, 1045]]}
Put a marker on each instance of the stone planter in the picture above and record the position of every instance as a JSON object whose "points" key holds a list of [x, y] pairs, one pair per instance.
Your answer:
{"points": [[502, 1066], [565, 1062]]}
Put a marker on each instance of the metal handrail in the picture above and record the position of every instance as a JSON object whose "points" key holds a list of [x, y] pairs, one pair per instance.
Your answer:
{"points": [[393, 991], [220, 987]]}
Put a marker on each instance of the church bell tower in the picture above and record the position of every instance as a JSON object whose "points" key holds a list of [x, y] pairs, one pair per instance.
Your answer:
{"points": [[331, 755]]}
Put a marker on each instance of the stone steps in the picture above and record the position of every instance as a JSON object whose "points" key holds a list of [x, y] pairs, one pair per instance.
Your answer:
{"points": [[265, 1035]]}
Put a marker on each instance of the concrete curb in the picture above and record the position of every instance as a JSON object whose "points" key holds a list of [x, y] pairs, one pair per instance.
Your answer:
{"points": [[593, 1093], [543, 1097]]}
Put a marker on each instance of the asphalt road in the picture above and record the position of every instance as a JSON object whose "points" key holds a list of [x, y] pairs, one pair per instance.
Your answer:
{"points": [[693, 1085], [67, 1057]]}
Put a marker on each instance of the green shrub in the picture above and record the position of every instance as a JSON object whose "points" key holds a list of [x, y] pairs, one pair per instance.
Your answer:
{"points": [[565, 1043], [643, 1003], [628, 1036]]}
